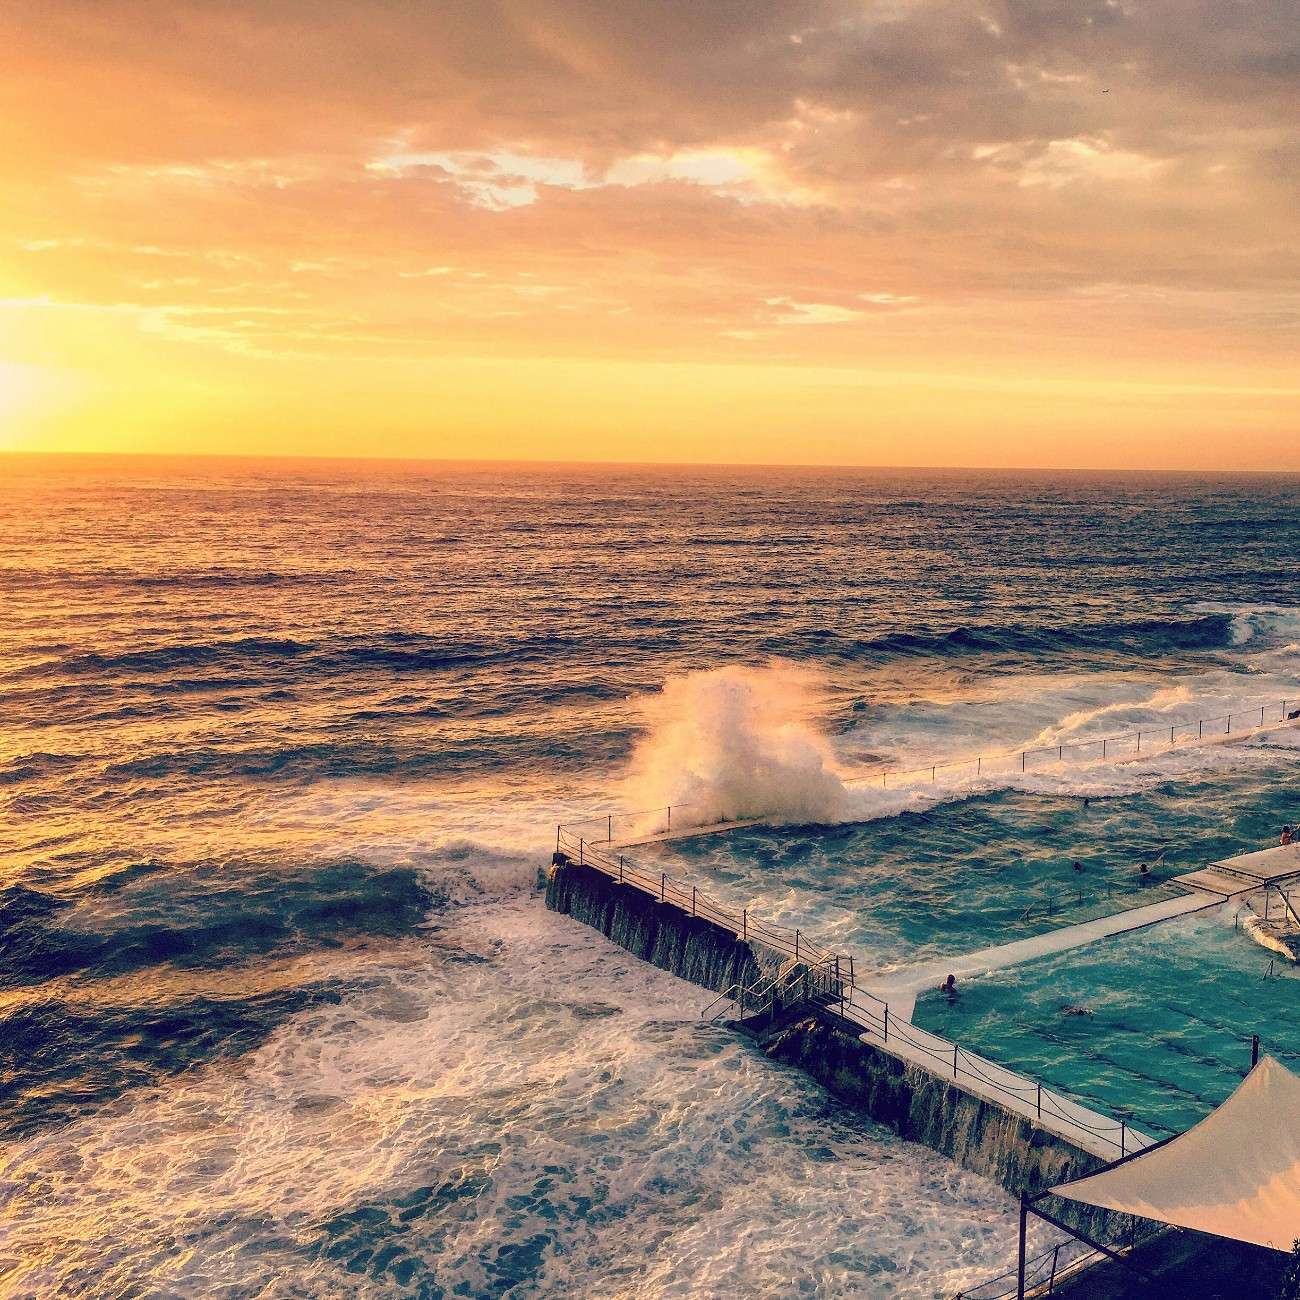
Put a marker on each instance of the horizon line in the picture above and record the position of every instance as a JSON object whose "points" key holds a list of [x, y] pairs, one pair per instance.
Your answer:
{"points": [[545, 463]]}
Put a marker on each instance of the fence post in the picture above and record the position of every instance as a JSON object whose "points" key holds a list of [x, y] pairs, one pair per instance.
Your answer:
{"points": [[670, 816], [1123, 1138], [933, 770], [1200, 728], [663, 886], [557, 838], [1261, 715], [1040, 1101], [1171, 735], [955, 1050], [692, 900], [1254, 1051], [1022, 762], [744, 925], [796, 945], [582, 852], [1051, 1281], [620, 868], [979, 763], [1229, 730], [1104, 743], [886, 1022], [609, 832], [1139, 748]]}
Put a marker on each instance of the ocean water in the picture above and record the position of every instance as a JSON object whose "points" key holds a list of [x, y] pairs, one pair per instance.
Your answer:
{"points": [[284, 745]]}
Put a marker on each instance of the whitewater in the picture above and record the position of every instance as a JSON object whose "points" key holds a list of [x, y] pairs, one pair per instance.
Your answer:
{"points": [[284, 748]]}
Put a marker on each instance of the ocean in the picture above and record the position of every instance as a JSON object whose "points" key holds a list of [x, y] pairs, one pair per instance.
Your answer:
{"points": [[284, 747]]}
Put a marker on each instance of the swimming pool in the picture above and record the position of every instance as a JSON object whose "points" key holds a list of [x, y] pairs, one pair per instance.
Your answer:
{"points": [[1172, 1008], [1170, 1015]]}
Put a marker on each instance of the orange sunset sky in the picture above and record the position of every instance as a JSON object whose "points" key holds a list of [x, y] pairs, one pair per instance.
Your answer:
{"points": [[1023, 232]]}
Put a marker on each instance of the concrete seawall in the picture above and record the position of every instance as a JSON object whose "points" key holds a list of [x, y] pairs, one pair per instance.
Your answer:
{"points": [[916, 1103], [660, 933]]}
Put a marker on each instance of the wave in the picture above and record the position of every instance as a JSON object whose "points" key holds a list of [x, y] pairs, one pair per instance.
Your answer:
{"points": [[1137, 637], [203, 915], [741, 744], [401, 651], [396, 651]]}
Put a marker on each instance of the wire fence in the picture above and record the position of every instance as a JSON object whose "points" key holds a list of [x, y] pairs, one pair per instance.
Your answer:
{"points": [[652, 823]]}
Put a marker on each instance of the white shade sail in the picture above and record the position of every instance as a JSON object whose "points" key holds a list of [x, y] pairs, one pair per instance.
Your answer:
{"points": [[1236, 1174]]}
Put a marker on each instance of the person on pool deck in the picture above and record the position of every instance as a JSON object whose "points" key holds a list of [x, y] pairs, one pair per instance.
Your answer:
{"points": [[1286, 835]]}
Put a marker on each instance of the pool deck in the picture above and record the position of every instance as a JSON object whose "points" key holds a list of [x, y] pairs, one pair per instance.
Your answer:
{"points": [[901, 988]]}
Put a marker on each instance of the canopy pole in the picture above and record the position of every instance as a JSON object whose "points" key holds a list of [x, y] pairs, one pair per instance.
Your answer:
{"points": [[1020, 1274]]}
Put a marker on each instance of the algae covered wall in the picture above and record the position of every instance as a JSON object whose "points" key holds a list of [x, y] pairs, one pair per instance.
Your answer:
{"points": [[660, 933]]}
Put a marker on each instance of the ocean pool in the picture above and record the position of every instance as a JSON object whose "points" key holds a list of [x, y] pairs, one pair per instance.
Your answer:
{"points": [[1170, 1014]]}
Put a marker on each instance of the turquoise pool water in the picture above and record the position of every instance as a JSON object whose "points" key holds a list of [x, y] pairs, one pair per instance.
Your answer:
{"points": [[1173, 1008]]}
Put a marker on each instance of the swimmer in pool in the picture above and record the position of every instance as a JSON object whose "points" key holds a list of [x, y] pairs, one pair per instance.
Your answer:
{"points": [[1075, 1011], [949, 988]]}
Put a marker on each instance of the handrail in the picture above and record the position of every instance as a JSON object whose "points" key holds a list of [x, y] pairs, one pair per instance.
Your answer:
{"points": [[1104, 741], [1050, 1266]]}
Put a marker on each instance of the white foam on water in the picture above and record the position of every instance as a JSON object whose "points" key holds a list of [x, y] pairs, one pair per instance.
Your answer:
{"points": [[519, 1100], [743, 744], [737, 742]]}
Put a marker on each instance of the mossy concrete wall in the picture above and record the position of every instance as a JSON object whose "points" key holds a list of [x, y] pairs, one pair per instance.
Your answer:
{"points": [[660, 933]]}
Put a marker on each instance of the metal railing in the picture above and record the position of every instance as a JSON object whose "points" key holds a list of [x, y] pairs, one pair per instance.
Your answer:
{"points": [[792, 980], [659, 885], [835, 986], [1127, 744], [953, 1061], [651, 822]]}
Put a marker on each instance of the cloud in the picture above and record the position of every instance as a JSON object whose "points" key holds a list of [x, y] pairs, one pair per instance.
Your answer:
{"points": [[395, 173]]}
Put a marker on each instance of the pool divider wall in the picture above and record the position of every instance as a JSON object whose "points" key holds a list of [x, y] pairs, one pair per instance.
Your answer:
{"points": [[918, 1104]]}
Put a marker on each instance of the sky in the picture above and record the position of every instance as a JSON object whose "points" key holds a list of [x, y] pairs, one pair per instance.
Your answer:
{"points": [[910, 232]]}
